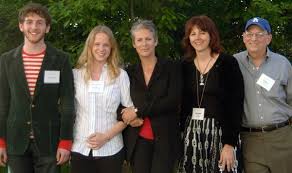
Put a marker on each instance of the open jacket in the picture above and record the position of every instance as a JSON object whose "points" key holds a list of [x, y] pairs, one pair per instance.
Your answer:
{"points": [[49, 114], [160, 102]]}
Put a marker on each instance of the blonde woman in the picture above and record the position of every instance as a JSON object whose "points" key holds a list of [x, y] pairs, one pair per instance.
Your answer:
{"points": [[101, 85]]}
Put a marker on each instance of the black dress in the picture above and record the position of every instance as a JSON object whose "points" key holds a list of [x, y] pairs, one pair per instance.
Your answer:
{"points": [[223, 103]]}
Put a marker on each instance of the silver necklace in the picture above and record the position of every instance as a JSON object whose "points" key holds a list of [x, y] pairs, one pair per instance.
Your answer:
{"points": [[202, 73]]}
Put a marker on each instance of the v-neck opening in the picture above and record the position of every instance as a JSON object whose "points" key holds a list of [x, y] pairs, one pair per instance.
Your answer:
{"points": [[216, 62], [152, 75]]}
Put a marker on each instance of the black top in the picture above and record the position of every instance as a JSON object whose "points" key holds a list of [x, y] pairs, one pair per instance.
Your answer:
{"points": [[223, 96], [212, 91], [159, 101]]}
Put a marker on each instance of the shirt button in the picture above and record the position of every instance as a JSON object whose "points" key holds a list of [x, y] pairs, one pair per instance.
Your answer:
{"points": [[28, 123], [262, 117], [260, 105], [258, 92], [32, 105]]}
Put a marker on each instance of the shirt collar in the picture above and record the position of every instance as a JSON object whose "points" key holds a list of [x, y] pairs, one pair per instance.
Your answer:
{"points": [[105, 66], [267, 59]]}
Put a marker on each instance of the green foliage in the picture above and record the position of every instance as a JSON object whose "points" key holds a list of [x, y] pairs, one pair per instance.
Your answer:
{"points": [[74, 19], [3, 170], [10, 35]]}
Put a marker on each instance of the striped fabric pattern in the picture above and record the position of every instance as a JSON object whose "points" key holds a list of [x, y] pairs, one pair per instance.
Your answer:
{"points": [[97, 112], [32, 65]]}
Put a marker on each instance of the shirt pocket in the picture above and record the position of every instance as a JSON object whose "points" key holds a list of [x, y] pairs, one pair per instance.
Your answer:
{"points": [[277, 90]]}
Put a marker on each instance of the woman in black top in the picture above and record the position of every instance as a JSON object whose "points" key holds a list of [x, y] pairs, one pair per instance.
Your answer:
{"points": [[212, 101], [152, 139]]}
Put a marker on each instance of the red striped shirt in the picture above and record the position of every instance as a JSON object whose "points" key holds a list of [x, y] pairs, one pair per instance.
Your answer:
{"points": [[32, 65]]}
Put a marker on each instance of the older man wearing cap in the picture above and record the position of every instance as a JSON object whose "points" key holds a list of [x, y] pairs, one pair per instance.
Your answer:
{"points": [[266, 129]]}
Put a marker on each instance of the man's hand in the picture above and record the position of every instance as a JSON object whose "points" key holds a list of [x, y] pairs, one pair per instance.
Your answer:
{"points": [[3, 157], [62, 156]]}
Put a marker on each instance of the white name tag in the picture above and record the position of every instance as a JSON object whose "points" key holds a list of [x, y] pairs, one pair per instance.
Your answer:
{"points": [[198, 113], [96, 86], [52, 77], [266, 82]]}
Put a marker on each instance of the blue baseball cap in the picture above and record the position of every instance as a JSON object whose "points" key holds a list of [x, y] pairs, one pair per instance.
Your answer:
{"points": [[262, 23]]}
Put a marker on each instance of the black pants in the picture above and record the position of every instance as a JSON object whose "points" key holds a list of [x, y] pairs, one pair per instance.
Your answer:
{"points": [[147, 159], [90, 164], [32, 162]]}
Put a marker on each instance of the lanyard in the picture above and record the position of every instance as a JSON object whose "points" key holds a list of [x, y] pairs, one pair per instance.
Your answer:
{"points": [[199, 101]]}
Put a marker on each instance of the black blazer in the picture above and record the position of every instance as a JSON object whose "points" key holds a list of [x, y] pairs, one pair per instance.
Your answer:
{"points": [[50, 113], [160, 101]]}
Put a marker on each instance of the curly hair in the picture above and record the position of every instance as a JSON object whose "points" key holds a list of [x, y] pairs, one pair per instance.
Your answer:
{"points": [[34, 8]]}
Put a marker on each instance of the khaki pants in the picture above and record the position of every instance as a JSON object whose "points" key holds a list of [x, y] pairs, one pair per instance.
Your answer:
{"points": [[268, 152]]}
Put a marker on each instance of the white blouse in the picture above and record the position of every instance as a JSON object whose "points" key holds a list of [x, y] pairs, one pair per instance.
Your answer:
{"points": [[96, 111]]}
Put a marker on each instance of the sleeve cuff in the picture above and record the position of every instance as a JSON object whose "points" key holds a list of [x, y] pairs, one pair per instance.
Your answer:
{"points": [[65, 144], [2, 143]]}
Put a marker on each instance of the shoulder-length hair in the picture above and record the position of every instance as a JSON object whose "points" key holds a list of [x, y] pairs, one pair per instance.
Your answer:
{"points": [[207, 25], [86, 58]]}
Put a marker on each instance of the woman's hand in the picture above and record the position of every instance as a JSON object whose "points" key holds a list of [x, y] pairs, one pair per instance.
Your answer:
{"points": [[227, 158], [128, 114], [97, 140], [137, 122]]}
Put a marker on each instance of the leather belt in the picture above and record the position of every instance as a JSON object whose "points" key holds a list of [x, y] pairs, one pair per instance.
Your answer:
{"points": [[267, 128]]}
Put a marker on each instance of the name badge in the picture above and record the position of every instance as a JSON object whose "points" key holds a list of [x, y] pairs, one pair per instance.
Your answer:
{"points": [[96, 86], [198, 113], [266, 82], [52, 77]]}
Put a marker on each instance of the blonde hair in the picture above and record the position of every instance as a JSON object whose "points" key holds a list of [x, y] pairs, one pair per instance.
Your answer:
{"points": [[86, 58]]}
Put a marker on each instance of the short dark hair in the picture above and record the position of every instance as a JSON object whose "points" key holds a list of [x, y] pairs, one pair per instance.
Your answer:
{"points": [[34, 8], [206, 24]]}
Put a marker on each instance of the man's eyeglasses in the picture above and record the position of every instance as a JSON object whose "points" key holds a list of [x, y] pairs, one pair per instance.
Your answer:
{"points": [[258, 35]]}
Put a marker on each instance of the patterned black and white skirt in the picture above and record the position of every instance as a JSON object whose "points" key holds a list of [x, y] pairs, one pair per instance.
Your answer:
{"points": [[202, 147]]}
